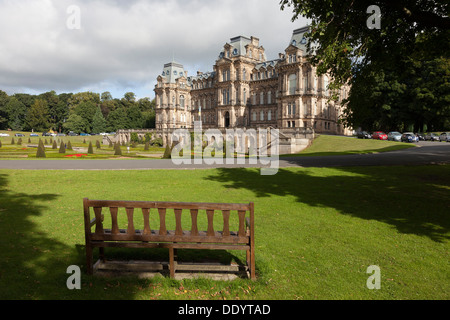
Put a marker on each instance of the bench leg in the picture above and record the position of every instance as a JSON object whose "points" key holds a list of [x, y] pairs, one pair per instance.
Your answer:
{"points": [[251, 263], [172, 262]]}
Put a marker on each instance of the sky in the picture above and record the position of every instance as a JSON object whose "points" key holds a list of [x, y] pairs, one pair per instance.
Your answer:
{"points": [[122, 45]]}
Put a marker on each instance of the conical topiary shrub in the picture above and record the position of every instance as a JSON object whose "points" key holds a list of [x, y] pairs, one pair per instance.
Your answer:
{"points": [[90, 149], [40, 153], [12, 141], [117, 149], [54, 146], [97, 144], [69, 146], [62, 148]]}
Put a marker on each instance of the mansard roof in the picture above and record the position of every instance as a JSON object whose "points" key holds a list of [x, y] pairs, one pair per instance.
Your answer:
{"points": [[299, 39], [172, 71]]}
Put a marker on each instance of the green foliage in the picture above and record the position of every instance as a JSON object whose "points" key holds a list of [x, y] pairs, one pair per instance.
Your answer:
{"points": [[55, 145], [69, 145], [97, 144], [62, 148], [38, 117], [117, 149], [98, 122], [90, 148], [40, 153]]}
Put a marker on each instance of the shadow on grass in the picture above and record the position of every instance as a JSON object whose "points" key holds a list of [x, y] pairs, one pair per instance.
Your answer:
{"points": [[415, 200], [33, 264]]}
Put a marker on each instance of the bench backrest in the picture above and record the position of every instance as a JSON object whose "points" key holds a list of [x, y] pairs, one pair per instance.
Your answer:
{"points": [[162, 234]]}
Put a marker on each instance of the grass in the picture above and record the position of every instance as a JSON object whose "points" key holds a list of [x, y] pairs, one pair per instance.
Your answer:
{"points": [[325, 145], [317, 232]]}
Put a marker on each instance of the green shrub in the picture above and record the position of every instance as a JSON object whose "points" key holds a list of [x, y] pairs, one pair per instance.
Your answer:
{"points": [[97, 144], [54, 146], [69, 146], [62, 148], [90, 148], [117, 149], [40, 153]]}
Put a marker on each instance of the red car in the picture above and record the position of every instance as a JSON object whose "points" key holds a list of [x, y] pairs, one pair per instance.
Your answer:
{"points": [[379, 135]]}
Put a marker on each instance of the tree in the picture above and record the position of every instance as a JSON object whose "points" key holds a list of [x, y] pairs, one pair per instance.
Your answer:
{"points": [[98, 122], [86, 110], [16, 112], [75, 123], [37, 117], [117, 119], [342, 43]]}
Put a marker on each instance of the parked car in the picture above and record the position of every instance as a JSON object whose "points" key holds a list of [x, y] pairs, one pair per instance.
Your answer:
{"points": [[409, 137], [34, 135], [363, 135], [421, 136], [61, 134], [445, 136], [19, 135], [84, 134], [4, 134], [379, 135], [431, 137], [72, 134], [394, 136], [47, 134]]}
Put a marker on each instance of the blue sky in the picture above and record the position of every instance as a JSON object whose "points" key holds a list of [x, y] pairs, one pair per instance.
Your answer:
{"points": [[122, 45]]}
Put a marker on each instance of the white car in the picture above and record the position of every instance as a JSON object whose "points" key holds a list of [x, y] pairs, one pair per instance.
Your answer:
{"points": [[4, 134]]}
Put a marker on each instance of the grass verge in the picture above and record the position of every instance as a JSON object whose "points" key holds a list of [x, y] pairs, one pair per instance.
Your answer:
{"points": [[317, 232]]}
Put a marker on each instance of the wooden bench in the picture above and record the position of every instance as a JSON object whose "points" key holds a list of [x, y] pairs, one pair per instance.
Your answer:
{"points": [[149, 237]]}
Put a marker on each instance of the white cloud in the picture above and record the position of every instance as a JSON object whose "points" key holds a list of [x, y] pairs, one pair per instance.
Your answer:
{"points": [[122, 45]]}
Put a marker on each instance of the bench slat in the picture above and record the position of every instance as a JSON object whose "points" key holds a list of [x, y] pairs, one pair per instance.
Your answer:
{"points": [[162, 221], [130, 212], [226, 223], [146, 214], [171, 237], [194, 228], [98, 220], [115, 226], [169, 205]]}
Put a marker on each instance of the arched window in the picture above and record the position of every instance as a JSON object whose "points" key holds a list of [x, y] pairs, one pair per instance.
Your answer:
{"points": [[269, 115], [261, 115], [269, 97], [261, 98], [292, 83], [245, 96]]}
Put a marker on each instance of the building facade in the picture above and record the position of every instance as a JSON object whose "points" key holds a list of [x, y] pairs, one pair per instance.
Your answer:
{"points": [[245, 90]]}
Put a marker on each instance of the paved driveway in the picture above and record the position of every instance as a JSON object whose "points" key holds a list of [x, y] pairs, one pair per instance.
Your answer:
{"points": [[425, 153]]}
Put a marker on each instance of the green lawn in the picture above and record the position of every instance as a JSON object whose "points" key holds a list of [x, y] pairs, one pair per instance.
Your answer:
{"points": [[80, 144], [317, 232], [325, 145]]}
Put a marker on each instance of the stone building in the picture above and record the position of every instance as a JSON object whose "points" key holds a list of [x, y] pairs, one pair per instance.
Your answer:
{"points": [[245, 90]]}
